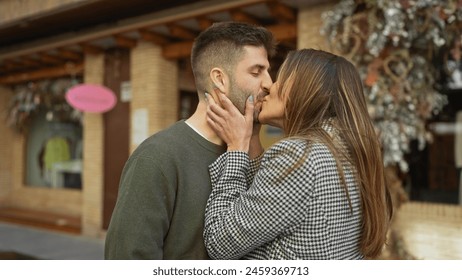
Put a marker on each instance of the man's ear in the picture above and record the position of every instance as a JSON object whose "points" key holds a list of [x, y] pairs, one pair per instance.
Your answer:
{"points": [[219, 79]]}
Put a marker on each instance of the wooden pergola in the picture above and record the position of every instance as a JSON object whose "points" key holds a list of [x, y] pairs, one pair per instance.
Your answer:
{"points": [[174, 29]]}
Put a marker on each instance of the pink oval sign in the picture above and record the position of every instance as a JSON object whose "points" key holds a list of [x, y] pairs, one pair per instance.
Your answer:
{"points": [[91, 98]]}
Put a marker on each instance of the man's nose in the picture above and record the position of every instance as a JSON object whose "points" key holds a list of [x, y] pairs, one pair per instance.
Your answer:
{"points": [[267, 82]]}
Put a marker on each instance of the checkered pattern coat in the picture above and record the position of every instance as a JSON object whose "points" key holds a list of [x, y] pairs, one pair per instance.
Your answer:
{"points": [[270, 210]]}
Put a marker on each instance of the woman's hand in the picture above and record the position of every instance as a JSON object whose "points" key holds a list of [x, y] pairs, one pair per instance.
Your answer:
{"points": [[229, 124]]}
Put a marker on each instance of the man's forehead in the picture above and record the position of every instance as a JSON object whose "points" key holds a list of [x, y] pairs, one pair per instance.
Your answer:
{"points": [[255, 57], [255, 49]]}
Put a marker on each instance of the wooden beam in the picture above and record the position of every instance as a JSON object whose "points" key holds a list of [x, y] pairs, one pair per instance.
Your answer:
{"points": [[154, 19], [70, 55], [44, 73], [91, 49], [284, 31], [281, 32], [153, 37], [177, 50], [242, 16], [282, 12], [30, 62], [12, 65], [125, 42], [181, 32], [50, 59], [204, 22]]}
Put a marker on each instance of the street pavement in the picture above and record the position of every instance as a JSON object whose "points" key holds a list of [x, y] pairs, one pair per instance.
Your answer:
{"points": [[33, 243]]}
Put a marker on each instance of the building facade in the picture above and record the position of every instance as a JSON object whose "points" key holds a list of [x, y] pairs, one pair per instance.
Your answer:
{"points": [[140, 51]]}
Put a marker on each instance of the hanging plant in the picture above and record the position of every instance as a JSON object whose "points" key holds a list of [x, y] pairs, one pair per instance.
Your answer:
{"points": [[395, 45], [46, 95]]}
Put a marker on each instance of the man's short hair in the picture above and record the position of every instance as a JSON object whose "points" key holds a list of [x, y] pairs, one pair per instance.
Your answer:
{"points": [[221, 45]]}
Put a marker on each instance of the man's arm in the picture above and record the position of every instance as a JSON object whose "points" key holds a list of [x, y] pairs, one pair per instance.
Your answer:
{"points": [[142, 214]]}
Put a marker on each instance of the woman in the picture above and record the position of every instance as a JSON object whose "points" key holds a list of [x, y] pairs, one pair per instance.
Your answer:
{"points": [[320, 192]]}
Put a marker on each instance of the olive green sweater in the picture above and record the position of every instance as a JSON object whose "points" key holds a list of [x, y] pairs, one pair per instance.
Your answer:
{"points": [[163, 192]]}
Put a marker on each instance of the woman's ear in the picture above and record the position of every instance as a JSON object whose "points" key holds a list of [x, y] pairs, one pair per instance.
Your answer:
{"points": [[218, 79]]}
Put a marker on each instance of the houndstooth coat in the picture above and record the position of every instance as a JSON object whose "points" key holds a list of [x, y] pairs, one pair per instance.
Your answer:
{"points": [[267, 209]]}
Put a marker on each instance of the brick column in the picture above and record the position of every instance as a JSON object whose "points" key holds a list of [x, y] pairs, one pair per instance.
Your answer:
{"points": [[6, 151], [155, 93], [93, 137], [309, 26]]}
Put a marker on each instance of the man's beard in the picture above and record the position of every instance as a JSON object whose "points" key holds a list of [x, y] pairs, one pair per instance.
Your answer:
{"points": [[239, 97]]}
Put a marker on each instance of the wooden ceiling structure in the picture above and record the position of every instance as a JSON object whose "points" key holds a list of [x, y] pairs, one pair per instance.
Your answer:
{"points": [[173, 26]]}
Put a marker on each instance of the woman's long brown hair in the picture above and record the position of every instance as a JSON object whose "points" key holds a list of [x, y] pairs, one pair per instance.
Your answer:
{"points": [[319, 86]]}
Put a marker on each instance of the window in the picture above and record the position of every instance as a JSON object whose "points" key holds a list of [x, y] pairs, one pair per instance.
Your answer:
{"points": [[53, 133]]}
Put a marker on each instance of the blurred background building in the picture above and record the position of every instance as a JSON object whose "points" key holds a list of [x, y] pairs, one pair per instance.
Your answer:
{"points": [[60, 167]]}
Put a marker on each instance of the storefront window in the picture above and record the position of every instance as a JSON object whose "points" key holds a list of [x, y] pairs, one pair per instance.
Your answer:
{"points": [[53, 133], [54, 153]]}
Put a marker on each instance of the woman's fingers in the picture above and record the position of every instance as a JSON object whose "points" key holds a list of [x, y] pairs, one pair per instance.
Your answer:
{"points": [[249, 109], [209, 98], [213, 106], [215, 115], [227, 104], [228, 122]]}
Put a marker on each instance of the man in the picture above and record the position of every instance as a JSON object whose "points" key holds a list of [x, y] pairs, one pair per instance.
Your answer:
{"points": [[165, 183]]}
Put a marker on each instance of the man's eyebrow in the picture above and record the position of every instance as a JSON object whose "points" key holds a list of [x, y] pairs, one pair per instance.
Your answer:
{"points": [[259, 67]]}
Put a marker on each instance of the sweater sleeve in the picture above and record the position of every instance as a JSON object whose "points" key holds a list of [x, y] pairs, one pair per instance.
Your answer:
{"points": [[142, 214], [237, 219]]}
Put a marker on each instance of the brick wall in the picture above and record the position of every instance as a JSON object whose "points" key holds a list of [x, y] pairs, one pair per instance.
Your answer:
{"points": [[62, 201], [11, 10], [93, 181], [154, 88], [13, 191]]}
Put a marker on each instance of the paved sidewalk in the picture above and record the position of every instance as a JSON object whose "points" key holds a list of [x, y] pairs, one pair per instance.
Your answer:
{"points": [[48, 245]]}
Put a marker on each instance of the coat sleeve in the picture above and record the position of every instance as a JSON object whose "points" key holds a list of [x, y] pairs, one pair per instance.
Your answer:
{"points": [[254, 165], [239, 219], [141, 217]]}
